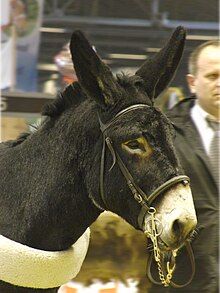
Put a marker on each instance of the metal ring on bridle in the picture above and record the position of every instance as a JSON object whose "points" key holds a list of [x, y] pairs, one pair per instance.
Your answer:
{"points": [[159, 224]]}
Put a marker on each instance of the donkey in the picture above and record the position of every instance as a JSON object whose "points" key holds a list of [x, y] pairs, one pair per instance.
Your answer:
{"points": [[103, 146]]}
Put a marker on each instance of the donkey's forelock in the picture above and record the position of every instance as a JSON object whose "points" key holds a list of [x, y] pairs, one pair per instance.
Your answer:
{"points": [[129, 81]]}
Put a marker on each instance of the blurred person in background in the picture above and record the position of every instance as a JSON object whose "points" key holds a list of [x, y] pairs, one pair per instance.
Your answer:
{"points": [[196, 120], [18, 14], [64, 63], [168, 99]]}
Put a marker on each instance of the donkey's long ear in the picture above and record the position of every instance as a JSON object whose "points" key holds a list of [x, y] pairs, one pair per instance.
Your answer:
{"points": [[94, 76], [159, 70]]}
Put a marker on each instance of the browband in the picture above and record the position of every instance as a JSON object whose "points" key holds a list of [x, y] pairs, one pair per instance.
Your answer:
{"points": [[103, 126]]}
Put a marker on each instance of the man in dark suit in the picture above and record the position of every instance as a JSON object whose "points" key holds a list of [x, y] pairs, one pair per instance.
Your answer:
{"points": [[197, 146]]}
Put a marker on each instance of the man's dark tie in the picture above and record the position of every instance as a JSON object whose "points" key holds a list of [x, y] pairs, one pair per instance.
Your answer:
{"points": [[214, 148]]}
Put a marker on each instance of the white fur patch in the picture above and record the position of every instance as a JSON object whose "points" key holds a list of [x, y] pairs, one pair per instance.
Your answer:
{"points": [[28, 267]]}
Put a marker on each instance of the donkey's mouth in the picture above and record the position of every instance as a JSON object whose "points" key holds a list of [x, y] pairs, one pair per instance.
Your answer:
{"points": [[164, 247]]}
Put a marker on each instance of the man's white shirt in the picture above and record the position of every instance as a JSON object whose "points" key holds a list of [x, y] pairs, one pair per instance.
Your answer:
{"points": [[199, 117]]}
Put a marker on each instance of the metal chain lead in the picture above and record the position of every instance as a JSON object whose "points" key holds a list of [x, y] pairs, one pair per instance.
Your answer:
{"points": [[153, 234]]}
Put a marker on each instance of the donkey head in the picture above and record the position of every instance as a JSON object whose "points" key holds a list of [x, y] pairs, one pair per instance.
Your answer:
{"points": [[136, 142]]}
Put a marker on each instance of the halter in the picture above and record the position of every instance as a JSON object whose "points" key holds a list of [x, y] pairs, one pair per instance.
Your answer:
{"points": [[139, 195]]}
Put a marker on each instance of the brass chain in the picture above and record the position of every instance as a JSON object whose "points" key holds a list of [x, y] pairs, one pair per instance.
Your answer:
{"points": [[153, 234]]}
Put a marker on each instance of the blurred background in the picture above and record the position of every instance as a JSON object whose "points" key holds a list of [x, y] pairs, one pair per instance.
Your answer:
{"points": [[35, 64]]}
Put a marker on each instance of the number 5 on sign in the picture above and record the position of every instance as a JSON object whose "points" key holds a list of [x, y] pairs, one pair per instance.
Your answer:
{"points": [[3, 104]]}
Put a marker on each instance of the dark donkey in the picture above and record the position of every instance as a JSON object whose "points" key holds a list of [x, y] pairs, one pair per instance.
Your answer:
{"points": [[103, 146]]}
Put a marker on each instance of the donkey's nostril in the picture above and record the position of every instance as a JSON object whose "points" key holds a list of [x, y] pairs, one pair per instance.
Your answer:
{"points": [[182, 228], [177, 227]]}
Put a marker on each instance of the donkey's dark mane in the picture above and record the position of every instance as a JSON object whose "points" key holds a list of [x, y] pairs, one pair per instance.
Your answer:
{"points": [[14, 142], [72, 95]]}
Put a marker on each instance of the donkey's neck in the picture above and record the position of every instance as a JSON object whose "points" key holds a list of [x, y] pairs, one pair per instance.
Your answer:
{"points": [[73, 202], [52, 207]]}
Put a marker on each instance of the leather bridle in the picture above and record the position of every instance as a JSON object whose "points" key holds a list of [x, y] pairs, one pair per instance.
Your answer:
{"points": [[139, 195]]}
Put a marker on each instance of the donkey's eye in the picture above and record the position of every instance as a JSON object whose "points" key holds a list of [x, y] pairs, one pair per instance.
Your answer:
{"points": [[138, 147], [135, 144]]}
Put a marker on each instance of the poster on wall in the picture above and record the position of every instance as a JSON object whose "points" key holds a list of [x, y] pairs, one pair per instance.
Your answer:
{"points": [[26, 18], [5, 12], [6, 47]]}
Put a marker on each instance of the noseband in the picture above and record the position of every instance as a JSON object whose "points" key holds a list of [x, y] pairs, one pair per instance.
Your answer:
{"points": [[139, 195], [142, 198]]}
